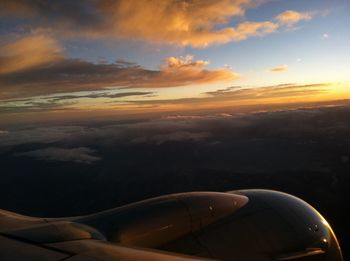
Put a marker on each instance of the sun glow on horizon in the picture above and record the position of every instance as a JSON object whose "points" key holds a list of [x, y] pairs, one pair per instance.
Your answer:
{"points": [[217, 54]]}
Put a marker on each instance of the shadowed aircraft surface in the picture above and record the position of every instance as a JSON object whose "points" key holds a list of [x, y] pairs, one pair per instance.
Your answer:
{"points": [[238, 225]]}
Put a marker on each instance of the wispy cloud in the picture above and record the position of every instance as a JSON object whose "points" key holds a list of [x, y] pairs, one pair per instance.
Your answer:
{"points": [[291, 17], [95, 95], [28, 52], [176, 136], [78, 155], [279, 69], [32, 106], [279, 90], [219, 98], [44, 135], [61, 102], [3, 132], [241, 94]]}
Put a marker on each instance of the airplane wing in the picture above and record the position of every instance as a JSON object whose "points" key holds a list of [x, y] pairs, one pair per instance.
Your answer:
{"points": [[242, 225], [25, 238], [79, 250]]}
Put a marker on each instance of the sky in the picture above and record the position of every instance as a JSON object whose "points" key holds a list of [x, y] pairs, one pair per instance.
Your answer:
{"points": [[81, 59]]}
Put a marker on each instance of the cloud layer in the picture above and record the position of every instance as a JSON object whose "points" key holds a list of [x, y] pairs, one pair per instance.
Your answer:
{"points": [[235, 95], [244, 95], [194, 23], [78, 155], [35, 65]]}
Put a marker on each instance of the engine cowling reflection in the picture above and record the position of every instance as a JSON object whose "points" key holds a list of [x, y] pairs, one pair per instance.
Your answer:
{"points": [[271, 226]]}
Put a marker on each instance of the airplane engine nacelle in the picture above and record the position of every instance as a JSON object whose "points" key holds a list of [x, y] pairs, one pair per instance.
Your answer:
{"points": [[270, 226], [155, 222], [244, 225]]}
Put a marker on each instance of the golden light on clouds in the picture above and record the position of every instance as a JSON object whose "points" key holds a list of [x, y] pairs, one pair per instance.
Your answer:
{"points": [[291, 17], [35, 65], [51, 59], [183, 23], [241, 98], [279, 69], [28, 52], [234, 97], [186, 70]]}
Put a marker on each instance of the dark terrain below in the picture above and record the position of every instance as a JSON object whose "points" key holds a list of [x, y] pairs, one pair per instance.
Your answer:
{"points": [[303, 152]]}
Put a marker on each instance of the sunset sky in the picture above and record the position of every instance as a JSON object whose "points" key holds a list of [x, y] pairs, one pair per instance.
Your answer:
{"points": [[97, 57]]}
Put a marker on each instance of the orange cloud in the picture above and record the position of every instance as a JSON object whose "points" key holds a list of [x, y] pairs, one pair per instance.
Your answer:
{"points": [[185, 71], [275, 91], [179, 22], [231, 96], [291, 17], [28, 52], [35, 65], [237, 96], [182, 22], [279, 69], [246, 29]]}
